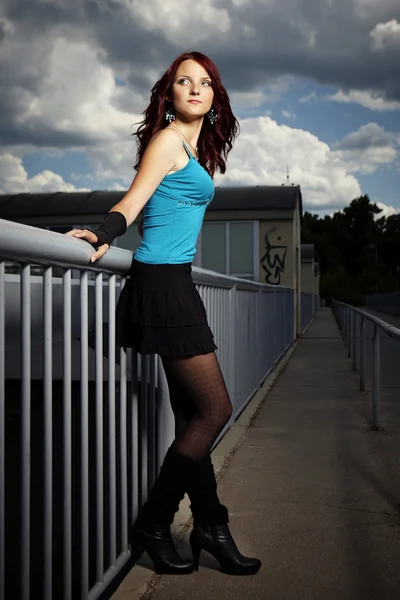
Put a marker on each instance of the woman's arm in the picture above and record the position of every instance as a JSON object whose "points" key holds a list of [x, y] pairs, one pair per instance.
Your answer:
{"points": [[158, 159]]}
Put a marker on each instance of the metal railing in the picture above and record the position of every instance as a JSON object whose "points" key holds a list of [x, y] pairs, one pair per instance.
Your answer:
{"points": [[84, 425], [352, 324]]}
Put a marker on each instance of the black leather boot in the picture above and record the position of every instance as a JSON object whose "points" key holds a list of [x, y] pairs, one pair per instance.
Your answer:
{"points": [[217, 540], [157, 541], [152, 530], [211, 531]]}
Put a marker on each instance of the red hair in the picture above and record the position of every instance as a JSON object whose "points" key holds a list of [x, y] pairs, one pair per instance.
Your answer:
{"points": [[215, 141]]}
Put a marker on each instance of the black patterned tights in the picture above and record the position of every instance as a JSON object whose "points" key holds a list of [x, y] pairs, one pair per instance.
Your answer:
{"points": [[199, 400]]}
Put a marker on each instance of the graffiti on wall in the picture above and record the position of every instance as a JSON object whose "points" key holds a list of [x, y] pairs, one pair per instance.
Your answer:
{"points": [[274, 259]]}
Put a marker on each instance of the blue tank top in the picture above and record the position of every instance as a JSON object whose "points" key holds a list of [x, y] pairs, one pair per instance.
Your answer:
{"points": [[174, 215]]}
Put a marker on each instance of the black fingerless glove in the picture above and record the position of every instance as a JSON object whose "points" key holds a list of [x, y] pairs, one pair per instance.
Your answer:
{"points": [[113, 226]]}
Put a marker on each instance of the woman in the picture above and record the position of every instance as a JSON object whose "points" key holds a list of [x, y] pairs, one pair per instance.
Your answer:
{"points": [[185, 136]]}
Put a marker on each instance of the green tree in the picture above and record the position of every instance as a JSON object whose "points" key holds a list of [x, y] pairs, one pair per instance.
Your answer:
{"points": [[358, 250]]}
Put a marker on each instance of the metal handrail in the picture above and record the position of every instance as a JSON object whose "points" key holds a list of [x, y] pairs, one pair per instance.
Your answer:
{"points": [[346, 318]]}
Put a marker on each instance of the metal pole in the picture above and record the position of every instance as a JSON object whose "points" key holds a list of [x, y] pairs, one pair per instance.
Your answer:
{"points": [[48, 432], [375, 380], [26, 430], [2, 428], [67, 433], [84, 402], [99, 428], [112, 449], [362, 355], [354, 346], [349, 349]]}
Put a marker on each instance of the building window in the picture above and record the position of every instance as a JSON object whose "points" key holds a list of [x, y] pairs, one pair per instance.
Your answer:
{"points": [[230, 248], [241, 249], [213, 247]]}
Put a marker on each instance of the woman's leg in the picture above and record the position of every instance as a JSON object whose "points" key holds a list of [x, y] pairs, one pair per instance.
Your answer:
{"points": [[202, 488], [200, 379], [211, 531], [201, 407]]}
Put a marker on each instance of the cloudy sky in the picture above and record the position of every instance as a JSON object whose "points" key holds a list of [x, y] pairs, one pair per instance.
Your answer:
{"points": [[315, 85]]}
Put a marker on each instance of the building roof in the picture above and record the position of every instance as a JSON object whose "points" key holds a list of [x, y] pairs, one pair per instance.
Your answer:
{"points": [[14, 206]]}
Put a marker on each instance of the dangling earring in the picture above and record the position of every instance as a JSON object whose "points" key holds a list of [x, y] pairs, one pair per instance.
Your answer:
{"points": [[169, 114], [212, 115]]}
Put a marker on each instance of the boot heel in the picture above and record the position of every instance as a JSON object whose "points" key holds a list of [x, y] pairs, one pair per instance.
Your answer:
{"points": [[196, 551]]}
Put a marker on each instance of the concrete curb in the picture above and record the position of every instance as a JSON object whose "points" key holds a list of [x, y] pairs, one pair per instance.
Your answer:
{"points": [[140, 582]]}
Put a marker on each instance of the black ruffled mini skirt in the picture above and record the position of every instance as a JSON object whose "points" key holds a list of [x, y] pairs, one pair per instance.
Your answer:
{"points": [[160, 311]]}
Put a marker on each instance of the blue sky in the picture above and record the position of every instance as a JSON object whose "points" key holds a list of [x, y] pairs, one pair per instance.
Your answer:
{"points": [[319, 91]]}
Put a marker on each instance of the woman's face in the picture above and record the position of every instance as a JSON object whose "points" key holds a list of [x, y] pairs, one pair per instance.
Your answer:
{"points": [[192, 93]]}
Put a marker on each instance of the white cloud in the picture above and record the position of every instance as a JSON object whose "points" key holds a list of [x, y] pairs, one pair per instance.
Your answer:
{"points": [[85, 104], [387, 211], [176, 18], [307, 99], [368, 148], [385, 35], [252, 99], [14, 179], [76, 94], [368, 98], [367, 161], [288, 114], [263, 150], [370, 135]]}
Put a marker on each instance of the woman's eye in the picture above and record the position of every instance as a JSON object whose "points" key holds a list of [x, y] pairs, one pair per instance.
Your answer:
{"points": [[187, 80]]}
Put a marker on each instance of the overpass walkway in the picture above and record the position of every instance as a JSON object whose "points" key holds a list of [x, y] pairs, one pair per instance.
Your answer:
{"points": [[312, 491]]}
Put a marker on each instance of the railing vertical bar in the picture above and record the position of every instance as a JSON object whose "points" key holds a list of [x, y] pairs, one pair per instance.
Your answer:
{"points": [[232, 346], [2, 429], [26, 428], [112, 426], [99, 428], [362, 354], [144, 428], [152, 421], [135, 436], [225, 337], [354, 345], [48, 431], [375, 380], [123, 450], [67, 434], [219, 321], [84, 400], [349, 340], [123, 443]]}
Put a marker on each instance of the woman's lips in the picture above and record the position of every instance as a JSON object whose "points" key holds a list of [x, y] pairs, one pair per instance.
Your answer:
{"points": [[195, 101]]}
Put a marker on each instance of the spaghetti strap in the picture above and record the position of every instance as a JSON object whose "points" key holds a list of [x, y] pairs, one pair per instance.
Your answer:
{"points": [[183, 141], [187, 149]]}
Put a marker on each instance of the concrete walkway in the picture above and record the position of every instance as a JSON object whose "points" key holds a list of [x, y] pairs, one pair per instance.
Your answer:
{"points": [[311, 490]]}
